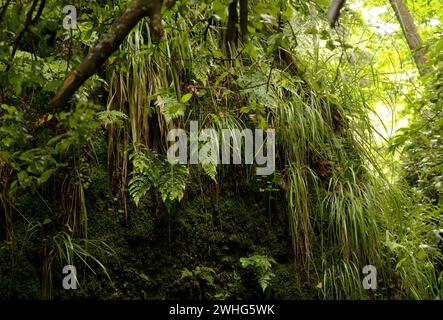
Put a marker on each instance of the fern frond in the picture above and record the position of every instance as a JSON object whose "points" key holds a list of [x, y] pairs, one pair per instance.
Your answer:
{"points": [[170, 108], [173, 182], [152, 171], [112, 117]]}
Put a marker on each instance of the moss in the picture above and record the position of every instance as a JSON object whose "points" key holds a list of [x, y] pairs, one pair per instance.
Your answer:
{"points": [[211, 227]]}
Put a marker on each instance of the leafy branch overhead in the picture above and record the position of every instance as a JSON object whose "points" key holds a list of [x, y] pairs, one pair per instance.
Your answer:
{"points": [[110, 42]]}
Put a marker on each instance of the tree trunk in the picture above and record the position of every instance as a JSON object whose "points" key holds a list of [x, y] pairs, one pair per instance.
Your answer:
{"points": [[231, 30], [243, 19], [411, 34], [334, 11], [109, 44]]}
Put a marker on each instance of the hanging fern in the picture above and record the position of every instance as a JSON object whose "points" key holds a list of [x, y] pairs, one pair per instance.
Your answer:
{"points": [[112, 117], [210, 169], [138, 187], [173, 182], [147, 162], [153, 171], [170, 107]]}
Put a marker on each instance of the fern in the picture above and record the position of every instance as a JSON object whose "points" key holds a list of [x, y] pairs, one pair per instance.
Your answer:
{"points": [[112, 117], [170, 107], [145, 174], [210, 169], [173, 182], [138, 187], [263, 268], [147, 162], [153, 171]]}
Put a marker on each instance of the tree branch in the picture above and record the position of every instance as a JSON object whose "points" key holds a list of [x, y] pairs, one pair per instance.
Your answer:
{"points": [[231, 30], [243, 19], [334, 11], [28, 23], [109, 44]]}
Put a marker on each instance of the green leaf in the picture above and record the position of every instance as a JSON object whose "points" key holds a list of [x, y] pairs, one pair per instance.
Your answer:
{"points": [[151, 171], [186, 273], [186, 98], [170, 107], [422, 255], [112, 117], [46, 175], [262, 266], [400, 263], [220, 78], [52, 86], [22, 177], [211, 170], [173, 182], [311, 30]]}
